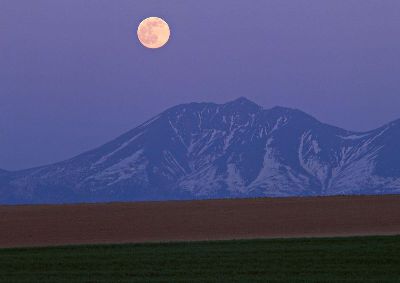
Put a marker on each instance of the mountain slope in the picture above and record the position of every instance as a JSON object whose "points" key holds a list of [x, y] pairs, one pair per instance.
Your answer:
{"points": [[206, 150]]}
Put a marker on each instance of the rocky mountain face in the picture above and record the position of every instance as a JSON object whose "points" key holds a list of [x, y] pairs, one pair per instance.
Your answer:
{"points": [[206, 150]]}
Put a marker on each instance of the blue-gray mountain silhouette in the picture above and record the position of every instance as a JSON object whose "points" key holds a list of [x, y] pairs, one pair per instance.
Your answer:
{"points": [[3, 172], [206, 150]]}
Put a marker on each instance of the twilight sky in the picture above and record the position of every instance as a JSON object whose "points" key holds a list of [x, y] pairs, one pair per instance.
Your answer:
{"points": [[73, 75]]}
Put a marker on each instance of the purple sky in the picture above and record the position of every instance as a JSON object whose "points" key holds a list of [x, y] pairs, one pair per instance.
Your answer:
{"points": [[73, 75]]}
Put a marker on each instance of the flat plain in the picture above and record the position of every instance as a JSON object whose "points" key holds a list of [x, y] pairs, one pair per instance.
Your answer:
{"points": [[54, 225], [363, 259]]}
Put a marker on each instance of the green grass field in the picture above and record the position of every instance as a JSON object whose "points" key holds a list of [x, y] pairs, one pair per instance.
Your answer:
{"points": [[363, 259]]}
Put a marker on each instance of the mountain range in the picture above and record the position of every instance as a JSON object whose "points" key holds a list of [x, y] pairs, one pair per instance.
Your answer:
{"points": [[206, 150]]}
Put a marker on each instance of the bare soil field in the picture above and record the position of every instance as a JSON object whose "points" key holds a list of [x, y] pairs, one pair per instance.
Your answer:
{"points": [[49, 225]]}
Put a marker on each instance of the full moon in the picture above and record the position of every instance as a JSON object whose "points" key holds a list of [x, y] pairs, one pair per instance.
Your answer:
{"points": [[153, 32]]}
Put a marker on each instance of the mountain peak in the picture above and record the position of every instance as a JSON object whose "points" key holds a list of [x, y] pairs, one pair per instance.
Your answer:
{"points": [[243, 102]]}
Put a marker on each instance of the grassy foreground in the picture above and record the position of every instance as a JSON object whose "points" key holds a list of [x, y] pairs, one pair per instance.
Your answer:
{"points": [[364, 259]]}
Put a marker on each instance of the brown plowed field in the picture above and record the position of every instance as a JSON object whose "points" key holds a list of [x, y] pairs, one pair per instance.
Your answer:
{"points": [[198, 220]]}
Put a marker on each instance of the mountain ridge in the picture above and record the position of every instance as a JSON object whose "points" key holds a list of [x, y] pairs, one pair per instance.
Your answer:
{"points": [[208, 150]]}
